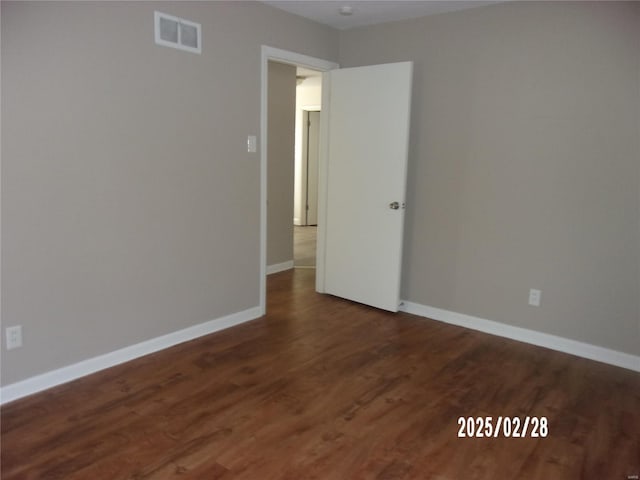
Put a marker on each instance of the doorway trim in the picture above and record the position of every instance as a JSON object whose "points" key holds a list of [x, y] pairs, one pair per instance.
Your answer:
{"points": [[298, 60]]}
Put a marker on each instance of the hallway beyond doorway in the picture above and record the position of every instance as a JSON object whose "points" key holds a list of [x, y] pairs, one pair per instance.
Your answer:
{"points": [[304, 246]]}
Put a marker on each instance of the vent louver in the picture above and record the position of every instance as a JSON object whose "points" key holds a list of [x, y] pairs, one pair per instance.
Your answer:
{"points": [[177, 33]]}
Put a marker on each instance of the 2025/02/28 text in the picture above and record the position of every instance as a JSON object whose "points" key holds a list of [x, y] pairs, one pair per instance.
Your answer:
{"points": [[508, 427]]}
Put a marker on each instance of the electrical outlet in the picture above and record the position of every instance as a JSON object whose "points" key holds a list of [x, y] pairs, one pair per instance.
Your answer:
{"points": [[534, 297], [14, 337]]}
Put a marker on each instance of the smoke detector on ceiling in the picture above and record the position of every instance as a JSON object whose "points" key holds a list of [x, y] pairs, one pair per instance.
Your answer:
{"points": [[346, 10]]}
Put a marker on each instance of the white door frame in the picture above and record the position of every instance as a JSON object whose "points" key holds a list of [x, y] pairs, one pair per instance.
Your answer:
{"points": [[300, 60]]}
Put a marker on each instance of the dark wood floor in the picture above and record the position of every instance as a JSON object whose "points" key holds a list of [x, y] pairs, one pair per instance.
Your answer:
{"points": [[322, 388]]}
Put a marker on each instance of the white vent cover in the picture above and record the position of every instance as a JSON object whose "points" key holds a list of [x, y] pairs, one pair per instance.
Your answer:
{"points": [[177, 32]]}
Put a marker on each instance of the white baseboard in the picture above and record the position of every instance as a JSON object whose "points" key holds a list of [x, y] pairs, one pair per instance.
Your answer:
{"points": [[561, 344], [279, 267], [66, 374]]}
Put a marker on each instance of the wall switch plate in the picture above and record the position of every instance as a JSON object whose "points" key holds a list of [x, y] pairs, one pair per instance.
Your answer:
{"points": [[252, 144], [14, 337], [534, 297]]}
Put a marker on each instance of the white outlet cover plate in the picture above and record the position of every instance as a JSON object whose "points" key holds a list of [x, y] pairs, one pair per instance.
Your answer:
{"points": [[534, 297], [14, 337]]}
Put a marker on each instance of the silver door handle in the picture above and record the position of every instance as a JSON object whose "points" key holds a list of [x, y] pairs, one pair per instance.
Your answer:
{"points": [[394, 205]]}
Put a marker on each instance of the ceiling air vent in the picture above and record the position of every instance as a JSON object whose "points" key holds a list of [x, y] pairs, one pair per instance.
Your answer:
{"points": [[177, 32]]}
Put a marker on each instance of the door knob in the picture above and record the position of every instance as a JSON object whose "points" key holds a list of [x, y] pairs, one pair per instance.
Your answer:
{"points": [[394, 205]]}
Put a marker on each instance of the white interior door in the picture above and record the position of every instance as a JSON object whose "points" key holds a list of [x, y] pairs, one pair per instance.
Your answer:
{"points": [[364, 182]]}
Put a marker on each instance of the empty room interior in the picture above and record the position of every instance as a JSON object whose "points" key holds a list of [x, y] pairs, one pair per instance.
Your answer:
{"points": [[320, 240]]}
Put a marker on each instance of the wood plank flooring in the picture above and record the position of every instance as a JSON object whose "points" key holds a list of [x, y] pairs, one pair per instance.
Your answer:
{"points": [[322, 388]]}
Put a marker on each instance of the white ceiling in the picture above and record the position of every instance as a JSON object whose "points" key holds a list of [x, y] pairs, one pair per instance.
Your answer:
{"points": [[367, 12]]}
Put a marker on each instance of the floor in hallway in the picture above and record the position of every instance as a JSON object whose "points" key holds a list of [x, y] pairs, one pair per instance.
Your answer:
{"points": [[304, 246]]}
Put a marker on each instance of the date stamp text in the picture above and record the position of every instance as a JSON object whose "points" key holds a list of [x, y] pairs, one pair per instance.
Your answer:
{"points": [[506, 427]]}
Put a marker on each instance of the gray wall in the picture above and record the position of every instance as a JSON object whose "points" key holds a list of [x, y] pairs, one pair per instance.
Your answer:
{"points": [[130, 207], [280, 157], [524, 163]]}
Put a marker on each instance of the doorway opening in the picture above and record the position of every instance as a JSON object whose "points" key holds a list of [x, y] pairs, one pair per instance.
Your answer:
{"points": [[309, 66]]}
